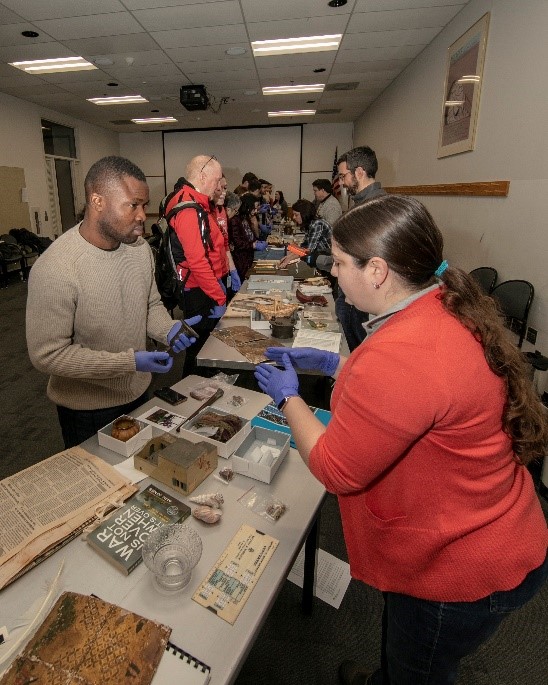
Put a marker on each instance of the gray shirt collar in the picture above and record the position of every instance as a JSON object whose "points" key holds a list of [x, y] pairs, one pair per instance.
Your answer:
{"points": [[376, 322]]}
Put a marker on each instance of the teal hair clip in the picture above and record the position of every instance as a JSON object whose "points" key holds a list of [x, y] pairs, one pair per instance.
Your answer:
{"points": [[441, 268]]}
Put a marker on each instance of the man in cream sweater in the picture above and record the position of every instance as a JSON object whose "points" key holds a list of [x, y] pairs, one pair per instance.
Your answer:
{"points": [[92, 302]]}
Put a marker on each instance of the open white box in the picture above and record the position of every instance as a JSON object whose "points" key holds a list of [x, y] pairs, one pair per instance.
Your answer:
{"points": [[128, 447], [224, 449], [242, 461]]}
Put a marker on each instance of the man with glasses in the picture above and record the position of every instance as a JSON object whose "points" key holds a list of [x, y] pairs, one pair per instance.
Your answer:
{"points": [[199, 250], [357, 170]]}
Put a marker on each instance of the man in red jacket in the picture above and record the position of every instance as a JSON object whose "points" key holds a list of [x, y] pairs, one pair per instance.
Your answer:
{"points": [[200, 251]]}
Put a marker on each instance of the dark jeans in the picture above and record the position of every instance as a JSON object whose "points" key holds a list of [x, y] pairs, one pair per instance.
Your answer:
{"points": [[351, 320], [197, 302], [423, 642], [78, 425]]}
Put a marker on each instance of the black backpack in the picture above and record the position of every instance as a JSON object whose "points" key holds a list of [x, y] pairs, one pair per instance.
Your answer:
{"points": [[170, 253]]}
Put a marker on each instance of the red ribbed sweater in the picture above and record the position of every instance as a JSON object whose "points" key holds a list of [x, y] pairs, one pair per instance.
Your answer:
{"points": [[433, 503]]}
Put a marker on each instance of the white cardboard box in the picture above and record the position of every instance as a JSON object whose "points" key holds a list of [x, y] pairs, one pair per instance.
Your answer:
{"points": [[224, 449], [242, 459], [130, 446]]}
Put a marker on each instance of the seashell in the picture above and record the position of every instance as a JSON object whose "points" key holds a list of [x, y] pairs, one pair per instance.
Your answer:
{"points": [[207, 514], [210, 499], [226, 474]]}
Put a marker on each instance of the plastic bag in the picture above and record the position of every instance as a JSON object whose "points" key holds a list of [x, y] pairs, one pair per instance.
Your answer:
{"points": [[269, 507]]}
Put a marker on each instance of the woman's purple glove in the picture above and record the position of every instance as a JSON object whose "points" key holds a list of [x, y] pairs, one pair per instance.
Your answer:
{"points": [[265, 208], [306, 358], [277, 383], [153, 362], [235, 281], [261, 245], [179, 341], [266, 229]]}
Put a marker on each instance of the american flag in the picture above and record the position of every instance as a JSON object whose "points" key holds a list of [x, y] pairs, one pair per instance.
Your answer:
{"points": [[335, 176]]}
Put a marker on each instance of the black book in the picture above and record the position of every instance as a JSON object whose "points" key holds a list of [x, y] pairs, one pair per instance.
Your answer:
{"points": [[121, 535]]}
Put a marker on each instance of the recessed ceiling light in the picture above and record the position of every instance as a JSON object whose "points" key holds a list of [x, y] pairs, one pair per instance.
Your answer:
{"points": [[112, 84], [30, 34], [319, 70], [118, 100], [310, 102], [155, 120], [291, 46], [337, 3], [52, 66], [286, 90], [293, 113], [235, 51]]}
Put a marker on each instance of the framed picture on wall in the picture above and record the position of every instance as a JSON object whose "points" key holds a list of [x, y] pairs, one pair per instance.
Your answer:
{"points": [[463, 81]]}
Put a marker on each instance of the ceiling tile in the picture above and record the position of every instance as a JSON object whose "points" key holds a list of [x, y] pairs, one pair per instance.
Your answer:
{"points": [[116, 23], [289, 9], [190, 16], [315, 26], [17, 53], [114, 45], [383, 39], [11, 35], [212, 35], [394, 52], [421, 17], [8, 17], [53, 9], [206, 53], [376, 5]]}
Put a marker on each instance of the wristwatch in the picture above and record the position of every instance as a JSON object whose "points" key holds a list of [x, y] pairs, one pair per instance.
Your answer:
{"points": [[283, 402]]}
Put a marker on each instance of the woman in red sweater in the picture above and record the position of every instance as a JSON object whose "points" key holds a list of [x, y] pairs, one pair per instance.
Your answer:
{"points": [[434, 420]]}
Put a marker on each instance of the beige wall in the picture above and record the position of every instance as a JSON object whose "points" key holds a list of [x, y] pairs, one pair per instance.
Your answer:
{"points": [[21, 136], [512, 139]]}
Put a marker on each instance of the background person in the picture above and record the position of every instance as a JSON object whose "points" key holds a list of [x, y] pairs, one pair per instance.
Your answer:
{"points": [[280, 204], [241, 236], [222, 220], [357, 170], [328, 207], [92, 302], [434, 419], [199, 250], [317, 232]]}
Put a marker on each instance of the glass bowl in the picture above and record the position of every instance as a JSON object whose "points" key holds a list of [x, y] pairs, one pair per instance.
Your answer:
{"points": [[171, 552]]}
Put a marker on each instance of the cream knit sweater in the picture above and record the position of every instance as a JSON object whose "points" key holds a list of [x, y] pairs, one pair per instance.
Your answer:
{"points": [[88, 311]]}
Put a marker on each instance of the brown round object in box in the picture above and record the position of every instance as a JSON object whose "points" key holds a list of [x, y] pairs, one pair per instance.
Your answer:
{"points": [[124, 428]]}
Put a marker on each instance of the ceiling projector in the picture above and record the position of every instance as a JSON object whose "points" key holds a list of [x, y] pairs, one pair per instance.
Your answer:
{"points": [[194, 98]]}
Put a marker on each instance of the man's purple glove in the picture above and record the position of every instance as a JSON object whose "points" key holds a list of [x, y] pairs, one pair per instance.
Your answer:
{"points": [[180, 341], [265, 228], [235, 281], [306, 358], [277, 383], [153, 362], [265, 208], [217, 311], [261, 245]]}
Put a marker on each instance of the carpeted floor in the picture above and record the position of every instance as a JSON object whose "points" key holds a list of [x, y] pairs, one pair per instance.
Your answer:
{"points": [[291, 649]]}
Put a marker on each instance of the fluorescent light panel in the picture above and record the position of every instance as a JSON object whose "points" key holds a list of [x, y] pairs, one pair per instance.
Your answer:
{"points": [[293, 113], [287, 90], [53, 66], [292, 46], [155, 120], [118, 100]]}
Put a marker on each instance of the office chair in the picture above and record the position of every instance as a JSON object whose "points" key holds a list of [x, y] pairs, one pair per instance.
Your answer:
{"points": [[486, 277], [514, 299]]}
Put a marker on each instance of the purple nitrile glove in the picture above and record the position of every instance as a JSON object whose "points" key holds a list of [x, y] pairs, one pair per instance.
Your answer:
{"points": [[220, 281], [153, 362], [265, 228], [217, 311], [307, 358], [278, 383], [235, 281], [265, 208], [179, 342], [261, 245]]}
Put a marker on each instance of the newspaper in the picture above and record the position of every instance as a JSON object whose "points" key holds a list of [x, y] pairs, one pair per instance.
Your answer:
{"points": [[48, 504]]}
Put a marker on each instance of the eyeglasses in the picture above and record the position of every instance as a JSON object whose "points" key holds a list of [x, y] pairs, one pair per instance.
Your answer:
{"points": [[208, 161], [342, 176]]}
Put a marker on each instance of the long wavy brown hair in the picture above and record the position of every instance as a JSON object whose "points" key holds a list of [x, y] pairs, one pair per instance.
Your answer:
{"points": [[401, 231]]}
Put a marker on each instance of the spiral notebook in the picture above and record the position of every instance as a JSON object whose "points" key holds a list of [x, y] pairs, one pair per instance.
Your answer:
{"points": [[177, 667]]}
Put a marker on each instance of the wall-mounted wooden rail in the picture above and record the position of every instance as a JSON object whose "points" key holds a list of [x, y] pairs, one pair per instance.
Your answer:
{"points": [[479, 189]]}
